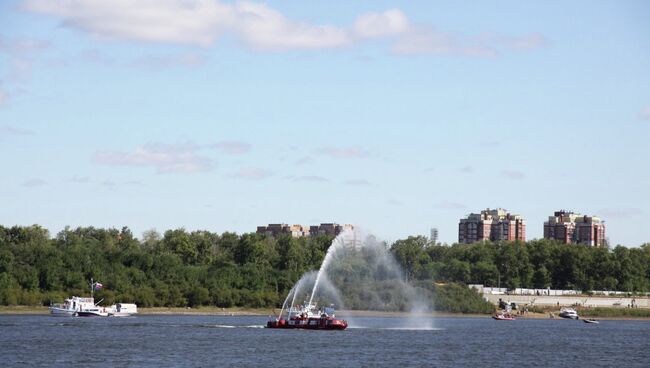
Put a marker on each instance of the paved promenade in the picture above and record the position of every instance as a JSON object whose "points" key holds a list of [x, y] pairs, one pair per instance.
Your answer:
{"points": [[563, 301]]}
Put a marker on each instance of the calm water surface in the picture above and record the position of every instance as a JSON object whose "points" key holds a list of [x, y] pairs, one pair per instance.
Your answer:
{"points": [[216, 341]]}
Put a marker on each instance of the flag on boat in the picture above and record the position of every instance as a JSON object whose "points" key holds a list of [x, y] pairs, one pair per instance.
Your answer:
{"points": [[98, 286]]}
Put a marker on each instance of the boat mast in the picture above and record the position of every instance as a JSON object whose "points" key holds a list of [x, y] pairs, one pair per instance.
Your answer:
{"points": [[92, 289]]}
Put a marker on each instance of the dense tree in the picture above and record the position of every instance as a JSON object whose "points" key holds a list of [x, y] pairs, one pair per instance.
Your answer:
{"points": [[411, 255], [198, 268]]}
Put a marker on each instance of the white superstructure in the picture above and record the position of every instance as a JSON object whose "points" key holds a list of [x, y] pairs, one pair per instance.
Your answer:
{"points": [[72, 306], [122, 310]]}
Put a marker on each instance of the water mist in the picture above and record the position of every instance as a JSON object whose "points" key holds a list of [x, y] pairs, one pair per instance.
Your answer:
{"points": [[359, 273]]}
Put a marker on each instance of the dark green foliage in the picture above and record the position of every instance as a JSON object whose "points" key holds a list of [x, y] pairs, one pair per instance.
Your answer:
{"points": [[534, 264], [458, 298], [177, 269], [199, 268]]}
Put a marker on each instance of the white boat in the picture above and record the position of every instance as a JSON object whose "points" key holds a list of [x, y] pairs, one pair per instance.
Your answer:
{"points": [[86, 307], [94, 311], [122, 310], [569, 313], [504, 316], [591, 320], [72, 306]]}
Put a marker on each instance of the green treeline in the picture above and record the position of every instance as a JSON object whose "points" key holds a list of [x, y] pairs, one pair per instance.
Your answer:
{"points": [[534, 264], [181, 268]]}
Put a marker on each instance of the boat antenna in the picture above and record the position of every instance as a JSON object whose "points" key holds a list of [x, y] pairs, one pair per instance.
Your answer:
{"points": [[92, 288]]}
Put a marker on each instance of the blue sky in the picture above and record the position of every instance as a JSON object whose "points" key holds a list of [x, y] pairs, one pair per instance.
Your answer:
{"points": [[395, 116]]}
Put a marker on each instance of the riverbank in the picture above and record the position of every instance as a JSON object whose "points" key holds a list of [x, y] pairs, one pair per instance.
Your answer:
{"points": [[20, 309], [600, 313], [209, 311]]}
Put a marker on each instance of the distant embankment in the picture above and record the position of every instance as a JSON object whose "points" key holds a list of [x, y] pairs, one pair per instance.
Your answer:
{"points": [[580, 300]]}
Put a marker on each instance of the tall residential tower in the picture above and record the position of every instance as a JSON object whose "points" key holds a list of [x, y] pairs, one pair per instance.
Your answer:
{"points": [[493, 225], [569, 227]]}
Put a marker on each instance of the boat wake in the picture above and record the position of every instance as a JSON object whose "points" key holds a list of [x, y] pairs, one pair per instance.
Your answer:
{"points": [[237, 326], [397, 328]]}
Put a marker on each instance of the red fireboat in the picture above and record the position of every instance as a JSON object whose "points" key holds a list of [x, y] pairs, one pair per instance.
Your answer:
{"points": [[309, 317]]}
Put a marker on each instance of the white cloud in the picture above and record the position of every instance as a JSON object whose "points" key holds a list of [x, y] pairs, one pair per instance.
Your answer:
{"points": [[512, 174], [109, 184], [258, 26], [388, 23], [426, 40], [531, 41], [645, 114], [619, 213], [188, 59], [35, 182], [194, 22], [96, 57], [4, 97], [344, 152], [304, 160], [79, 179], [20, 53], [166, 158], [467, 170], [252, 173], [267, 29], [233, 147]]}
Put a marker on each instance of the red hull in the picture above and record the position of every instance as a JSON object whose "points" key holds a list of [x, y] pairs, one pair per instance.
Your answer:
{"points": [[499, 317], [309, 324]]}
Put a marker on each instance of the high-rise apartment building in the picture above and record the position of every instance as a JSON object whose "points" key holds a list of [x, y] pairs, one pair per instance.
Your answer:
{"points": [[330, 229], [298, 231], [492, 225], [569, 227]]}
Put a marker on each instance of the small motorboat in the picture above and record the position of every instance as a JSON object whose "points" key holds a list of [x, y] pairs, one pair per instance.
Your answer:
{"points": [[569, 313], [504, 317], [590, 320]]}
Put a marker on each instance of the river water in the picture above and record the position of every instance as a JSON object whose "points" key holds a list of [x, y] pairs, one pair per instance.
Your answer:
{"points": [[220, 341]]}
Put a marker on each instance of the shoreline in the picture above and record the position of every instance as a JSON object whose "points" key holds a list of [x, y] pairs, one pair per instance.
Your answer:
{"points": [[239, 312]]}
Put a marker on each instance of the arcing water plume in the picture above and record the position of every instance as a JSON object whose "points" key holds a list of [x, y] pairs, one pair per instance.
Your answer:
{"points": [[359, 272], [306, 280], [338, 243], [303, 289]]}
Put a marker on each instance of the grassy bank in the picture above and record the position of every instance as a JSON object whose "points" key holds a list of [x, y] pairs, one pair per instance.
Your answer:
{"points": [[615, 312], [23, 309], [538, 313], [208, 311]]}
